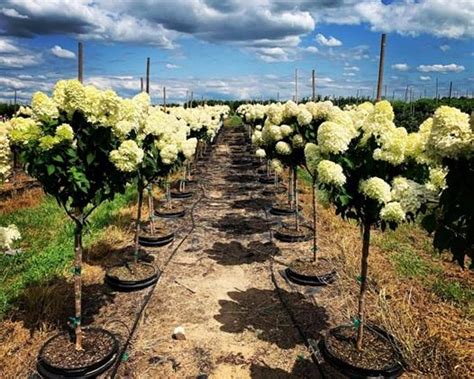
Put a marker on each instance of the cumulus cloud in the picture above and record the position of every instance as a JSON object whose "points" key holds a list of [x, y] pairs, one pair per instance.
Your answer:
{"points": [[10, 12], [7, 46], [18, 61], [351, 68], [59, 52], [444, 48], [171, 66], [400, 67], [443, 68], [311, 49], [425, 78], [325, 41]]}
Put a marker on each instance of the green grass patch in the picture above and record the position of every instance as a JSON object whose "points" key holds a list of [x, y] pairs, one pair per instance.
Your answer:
{"points": [[409, 264], [454, 291], [47, 243], [233, 121]]}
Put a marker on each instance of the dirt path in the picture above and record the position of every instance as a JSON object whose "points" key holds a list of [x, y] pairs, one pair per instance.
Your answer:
{"points": [[218, 287]]}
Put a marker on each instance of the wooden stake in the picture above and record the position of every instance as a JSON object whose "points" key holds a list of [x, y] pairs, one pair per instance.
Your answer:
{"points": [[381, 63], [313, 83], [148, 75], [164, 98], [450, 89], [296, 85], [141, 84], [437, 88], [80, 62]]}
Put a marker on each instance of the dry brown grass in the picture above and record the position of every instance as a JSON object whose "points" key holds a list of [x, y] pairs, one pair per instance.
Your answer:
{"points": [[436, 337], [27, 199]]}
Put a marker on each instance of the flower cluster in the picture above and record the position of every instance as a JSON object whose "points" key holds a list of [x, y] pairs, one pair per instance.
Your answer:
{"points": [[330, 173], [8, 235], [127, 157], [5, 153]]}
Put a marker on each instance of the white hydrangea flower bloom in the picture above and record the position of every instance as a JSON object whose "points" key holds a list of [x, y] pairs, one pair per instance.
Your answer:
{"points": [[330, 173], [334, 138], [393, 212], [8, 235], [260, 153], [127, 157], [377, 189], [283, 148]]}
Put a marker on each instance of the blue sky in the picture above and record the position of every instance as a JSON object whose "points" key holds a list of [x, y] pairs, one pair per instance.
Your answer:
{"points": [[233, 49]]}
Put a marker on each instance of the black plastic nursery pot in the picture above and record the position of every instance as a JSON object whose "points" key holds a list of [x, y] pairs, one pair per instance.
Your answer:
{"points": [[157, 240], [291, 235], [170, 213], [181, 194], [282, 210], [266, 179], [130, 285], [273, 191], [392, 369], [67, 365], [310, 280]]}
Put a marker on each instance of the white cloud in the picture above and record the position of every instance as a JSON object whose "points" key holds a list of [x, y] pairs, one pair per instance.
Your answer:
{"points": [[351, 68], [348, 74], [10, 12], [425, 78], [18, 61], [59, 52], [171, 66], [311, 49], [441, 68], [444, 48], [7, 46], [324, 41], [400, 67]]}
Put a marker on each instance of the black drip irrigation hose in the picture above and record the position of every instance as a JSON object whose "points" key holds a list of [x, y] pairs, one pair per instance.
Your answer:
{"points": [[290, 313], [152, 290]]}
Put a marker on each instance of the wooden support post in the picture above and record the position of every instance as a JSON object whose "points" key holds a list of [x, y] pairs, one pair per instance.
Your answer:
{"points": [[313, 84], [296, 85], [381, 63], [164, 98], [80, 62], [148, 76], [141, 84], [450, 89]]}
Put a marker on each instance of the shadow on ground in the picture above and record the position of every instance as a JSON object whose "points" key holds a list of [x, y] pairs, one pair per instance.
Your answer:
{"points": [[51, 304], [235, 253], [260, 312], [303, 368], [237, 224]]}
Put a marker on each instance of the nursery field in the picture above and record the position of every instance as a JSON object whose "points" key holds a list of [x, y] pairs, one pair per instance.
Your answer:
{"points": [[222, 281]]}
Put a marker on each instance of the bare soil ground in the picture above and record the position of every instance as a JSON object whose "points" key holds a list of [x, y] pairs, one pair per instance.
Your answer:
{"points": [[218, 282]]}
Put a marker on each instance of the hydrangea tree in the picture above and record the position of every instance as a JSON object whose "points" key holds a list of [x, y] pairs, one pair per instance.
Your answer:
{"points": [[66, 145], [160, 142], [372, 174], [448, 140]]}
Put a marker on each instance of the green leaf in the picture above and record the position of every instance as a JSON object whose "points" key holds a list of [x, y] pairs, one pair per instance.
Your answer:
{"points": [[90, 158], [51, 169]]}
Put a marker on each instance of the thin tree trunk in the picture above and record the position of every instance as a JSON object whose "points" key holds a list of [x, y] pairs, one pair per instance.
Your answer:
{"points": [[363, 284], [138, 223], [315, 236], [151, 208], [290, 187], [78, 279], [295, 194]]}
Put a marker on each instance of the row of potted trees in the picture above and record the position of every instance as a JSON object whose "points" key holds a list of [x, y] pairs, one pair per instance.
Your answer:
{"points": [[376, 174], [85, 146]]}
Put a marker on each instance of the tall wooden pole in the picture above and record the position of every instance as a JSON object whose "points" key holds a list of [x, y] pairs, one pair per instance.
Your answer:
{"points": [[191, 102], [141, 84], [148, 75], [187, 99], [381, 63], [313, 84], [164, 98], [450, 89], [296, 85], [80, 62], [436, 89]]}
